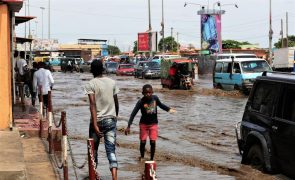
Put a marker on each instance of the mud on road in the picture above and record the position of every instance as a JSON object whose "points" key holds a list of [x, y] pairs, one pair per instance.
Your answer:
{"points": [[196, 142]]}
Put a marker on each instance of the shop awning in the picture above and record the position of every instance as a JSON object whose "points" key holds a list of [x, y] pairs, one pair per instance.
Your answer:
{"points": [[23, 40], [14, 5], [23, 19]]}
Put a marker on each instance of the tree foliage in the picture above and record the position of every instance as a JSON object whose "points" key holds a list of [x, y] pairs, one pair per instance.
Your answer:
{"points": [[135, 47], [170, 44], [291, 42], [232, 44], [113, 50]]}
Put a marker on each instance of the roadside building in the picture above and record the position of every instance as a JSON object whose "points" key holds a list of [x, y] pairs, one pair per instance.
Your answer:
{"points": [[86, 48], [8, 41]]}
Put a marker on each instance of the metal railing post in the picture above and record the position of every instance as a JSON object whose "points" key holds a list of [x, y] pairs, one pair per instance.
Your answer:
{"points": [[21, 94], [150, 170], [91, 163], [40, 110], [50, 143], [65, 143]]}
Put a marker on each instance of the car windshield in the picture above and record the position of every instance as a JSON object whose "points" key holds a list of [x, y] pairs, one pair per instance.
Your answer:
{"points": [[126, 66], [153, 65], [255, 66], [111, 65]]}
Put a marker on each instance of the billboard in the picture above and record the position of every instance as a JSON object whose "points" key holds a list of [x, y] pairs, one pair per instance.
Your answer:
{"points": [[104, 50], [147, 41], [211, 33]]}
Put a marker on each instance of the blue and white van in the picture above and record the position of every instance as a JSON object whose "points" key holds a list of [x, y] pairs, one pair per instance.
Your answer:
{"points": [[238, 73]]}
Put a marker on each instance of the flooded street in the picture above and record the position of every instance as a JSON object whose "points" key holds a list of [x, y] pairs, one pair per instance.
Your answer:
{"points": [[198, 142]]}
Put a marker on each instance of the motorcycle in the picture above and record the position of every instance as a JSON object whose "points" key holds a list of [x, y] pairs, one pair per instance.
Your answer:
{"points": [[186, 81]]}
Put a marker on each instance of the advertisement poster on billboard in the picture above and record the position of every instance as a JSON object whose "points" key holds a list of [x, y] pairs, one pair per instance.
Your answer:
{"points": [[211, 33], [147, 41]]}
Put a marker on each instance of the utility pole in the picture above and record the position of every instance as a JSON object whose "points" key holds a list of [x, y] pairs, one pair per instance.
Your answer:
{"points": [[282, 34], [30, 36], [48, 19], [42, 9], [270, 36], [36, 31], [150, 26], [287, 30], [177, 42], [162, 24], [171, 39]]}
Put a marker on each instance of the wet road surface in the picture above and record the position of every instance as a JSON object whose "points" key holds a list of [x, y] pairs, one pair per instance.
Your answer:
{"points": [[198, 142]]}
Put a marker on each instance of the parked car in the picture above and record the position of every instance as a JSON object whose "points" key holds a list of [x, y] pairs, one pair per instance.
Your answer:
{"points": [[111, 67], [266, 139], [153, 70], [235, 55], [238, 73], [86, 65], [139, 68], [125, 70]]}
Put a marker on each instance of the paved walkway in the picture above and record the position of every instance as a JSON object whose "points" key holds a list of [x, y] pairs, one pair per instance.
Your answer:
{"points": [[23, 154]]}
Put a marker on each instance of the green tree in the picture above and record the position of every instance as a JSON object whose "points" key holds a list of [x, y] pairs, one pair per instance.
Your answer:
{"points": [[170, 44], [135, 47], [291, 42], [113, 50], [231, 44]]}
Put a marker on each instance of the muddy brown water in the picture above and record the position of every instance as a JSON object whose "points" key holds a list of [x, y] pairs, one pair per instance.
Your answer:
{"points": [[198, 142]]}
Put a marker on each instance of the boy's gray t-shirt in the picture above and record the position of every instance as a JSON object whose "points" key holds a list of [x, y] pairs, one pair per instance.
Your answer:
{"points": [[104, 89]]}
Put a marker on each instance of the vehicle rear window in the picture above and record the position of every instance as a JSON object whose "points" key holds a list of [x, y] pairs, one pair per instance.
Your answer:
{"points": [[263, 97], [286, 107], [153, 65]]}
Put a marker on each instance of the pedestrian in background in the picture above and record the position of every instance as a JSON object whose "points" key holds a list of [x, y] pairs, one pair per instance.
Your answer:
{"points": [[148, 124], [21, 66], [32, 72], [43, 78], [104, 108]]}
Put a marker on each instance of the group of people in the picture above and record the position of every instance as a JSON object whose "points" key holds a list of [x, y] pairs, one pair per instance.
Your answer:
{"points": [[104, 108], [35, 77]]}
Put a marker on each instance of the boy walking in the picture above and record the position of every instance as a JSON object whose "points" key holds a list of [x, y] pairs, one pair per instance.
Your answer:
{"points": [[149, 119]]}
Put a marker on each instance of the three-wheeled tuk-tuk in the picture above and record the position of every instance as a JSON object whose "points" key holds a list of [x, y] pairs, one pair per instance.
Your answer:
{"points": [[177, 73]]}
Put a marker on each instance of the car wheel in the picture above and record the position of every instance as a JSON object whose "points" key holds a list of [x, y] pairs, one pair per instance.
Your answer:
{"points": [[236, 87], [255, 157], [218, 86]]}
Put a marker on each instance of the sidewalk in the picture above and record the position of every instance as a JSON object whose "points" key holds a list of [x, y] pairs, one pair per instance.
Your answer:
{"points": [[23, 154]]}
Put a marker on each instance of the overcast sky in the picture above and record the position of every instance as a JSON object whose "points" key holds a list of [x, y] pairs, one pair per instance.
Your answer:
{"points": [[119, 21]]}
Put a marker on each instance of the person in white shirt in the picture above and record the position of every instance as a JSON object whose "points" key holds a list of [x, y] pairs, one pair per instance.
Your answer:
{"points": [[43, 78], [21, 66]]}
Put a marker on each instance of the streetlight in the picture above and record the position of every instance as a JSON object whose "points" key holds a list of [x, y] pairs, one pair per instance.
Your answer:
{"points": [[219, 4], [42, 9], [186, 3]]}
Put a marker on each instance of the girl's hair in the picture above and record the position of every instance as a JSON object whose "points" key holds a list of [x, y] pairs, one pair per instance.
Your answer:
{"points": [[146, 86]]}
